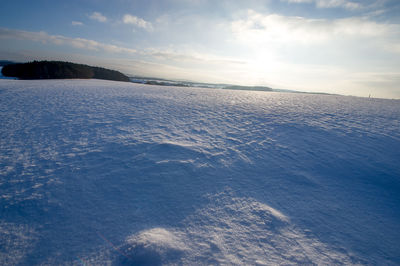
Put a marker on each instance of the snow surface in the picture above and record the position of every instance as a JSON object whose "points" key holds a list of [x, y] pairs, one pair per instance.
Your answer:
{"points": [[108, 173]]}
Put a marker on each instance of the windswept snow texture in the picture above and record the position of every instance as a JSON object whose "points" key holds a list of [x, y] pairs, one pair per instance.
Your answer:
{"points": [[107, 173]]}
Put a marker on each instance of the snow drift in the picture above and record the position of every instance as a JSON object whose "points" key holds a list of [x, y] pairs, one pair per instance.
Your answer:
{"points": [[107, 173]]}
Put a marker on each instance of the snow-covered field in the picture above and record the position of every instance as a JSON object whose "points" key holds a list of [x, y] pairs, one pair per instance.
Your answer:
{"points": [[98, 172]]}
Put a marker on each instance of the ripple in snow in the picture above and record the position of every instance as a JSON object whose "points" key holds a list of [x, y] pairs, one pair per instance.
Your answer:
{"points": [[229, 231]]}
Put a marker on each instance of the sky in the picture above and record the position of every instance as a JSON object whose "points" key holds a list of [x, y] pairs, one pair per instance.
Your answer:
{"points": [[348, 47]]}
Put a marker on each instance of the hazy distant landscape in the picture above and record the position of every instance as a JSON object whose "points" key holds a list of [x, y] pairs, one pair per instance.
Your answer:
{"points": [[67, 70]]}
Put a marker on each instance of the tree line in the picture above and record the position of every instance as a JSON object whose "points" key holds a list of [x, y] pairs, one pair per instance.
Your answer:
{"points": [[60, 70]]}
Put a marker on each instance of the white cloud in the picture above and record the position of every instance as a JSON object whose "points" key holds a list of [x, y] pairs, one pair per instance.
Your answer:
{"points": [[191, 57], [329, 3], [319, 54], [298, 1], [337, 3], [259, 28], [98, 17], [76, 23], [138, 22], [79, 43]]}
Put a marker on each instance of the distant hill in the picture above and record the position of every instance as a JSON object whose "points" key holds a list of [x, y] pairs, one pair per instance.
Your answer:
{"points": [[163, 83], [252, 88], [168, 82], [60, 70]]}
